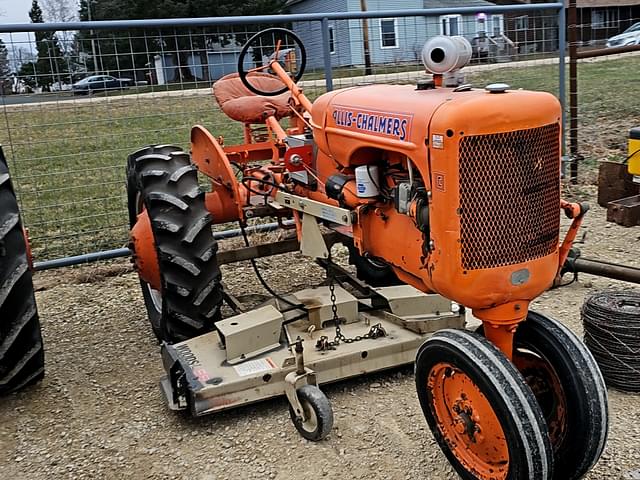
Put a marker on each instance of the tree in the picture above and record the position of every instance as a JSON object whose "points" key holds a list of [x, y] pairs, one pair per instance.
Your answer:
{"points": [[51, 65], [61, 11], [5, 68]]}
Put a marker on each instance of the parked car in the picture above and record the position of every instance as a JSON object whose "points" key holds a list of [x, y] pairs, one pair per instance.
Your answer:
{"points": [[100, 83], [631, 36]]}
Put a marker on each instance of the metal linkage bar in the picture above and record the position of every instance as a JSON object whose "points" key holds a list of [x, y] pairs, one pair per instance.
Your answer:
{"points": [[607, 269], [601, 52], [125, 252], [262, 19]]}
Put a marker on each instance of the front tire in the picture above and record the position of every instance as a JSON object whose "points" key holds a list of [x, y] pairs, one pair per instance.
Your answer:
{"points": [[21, 349], [569, 388], [482, 414], [162, 180]]}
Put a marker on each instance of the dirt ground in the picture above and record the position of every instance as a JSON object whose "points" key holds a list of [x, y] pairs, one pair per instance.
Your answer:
{"points": [[99, 412]]}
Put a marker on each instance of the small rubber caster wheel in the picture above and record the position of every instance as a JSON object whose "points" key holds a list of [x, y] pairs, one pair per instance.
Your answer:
{"points": [[318, 412]]}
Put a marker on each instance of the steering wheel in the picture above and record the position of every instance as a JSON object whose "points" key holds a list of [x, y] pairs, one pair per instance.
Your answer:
{"points": [[280, 45]]}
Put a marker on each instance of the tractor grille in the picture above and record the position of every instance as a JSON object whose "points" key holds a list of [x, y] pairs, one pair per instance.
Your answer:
{"points": [[509, 196]]}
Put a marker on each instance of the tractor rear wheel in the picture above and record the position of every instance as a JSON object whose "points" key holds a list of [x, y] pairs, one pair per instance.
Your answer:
{"points": [[482, 414], [162, 181], [569, 388], [21, 350]]}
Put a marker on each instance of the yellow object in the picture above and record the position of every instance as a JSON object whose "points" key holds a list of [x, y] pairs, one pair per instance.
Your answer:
{"points": [[634, 153]]}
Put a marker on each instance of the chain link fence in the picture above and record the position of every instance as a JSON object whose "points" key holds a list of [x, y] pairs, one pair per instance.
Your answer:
{"points": [[83, 96]]}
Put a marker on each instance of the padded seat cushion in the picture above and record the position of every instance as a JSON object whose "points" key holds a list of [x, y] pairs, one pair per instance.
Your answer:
{"points": [[241, 104]]}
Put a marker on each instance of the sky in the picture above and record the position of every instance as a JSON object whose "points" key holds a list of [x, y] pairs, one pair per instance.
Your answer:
{"points": [[15, 11]]}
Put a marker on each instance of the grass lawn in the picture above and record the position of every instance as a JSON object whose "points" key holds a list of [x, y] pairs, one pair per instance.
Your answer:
{"points": [[68, 158]]}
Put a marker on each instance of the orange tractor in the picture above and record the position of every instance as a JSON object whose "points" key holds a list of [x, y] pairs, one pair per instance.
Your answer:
{"points": [[445, 189]]}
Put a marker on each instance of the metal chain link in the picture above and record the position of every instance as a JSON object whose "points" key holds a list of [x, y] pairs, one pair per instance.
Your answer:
{"points": [[323, 343]]}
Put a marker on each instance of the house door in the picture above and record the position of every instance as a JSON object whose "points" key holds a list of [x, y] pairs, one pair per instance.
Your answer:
{"points": [[497, 25], [451, 25]]}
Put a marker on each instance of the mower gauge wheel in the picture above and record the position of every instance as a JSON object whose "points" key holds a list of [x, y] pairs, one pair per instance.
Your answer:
{"points": [[279, 45], [318, 414], [482, 414]]}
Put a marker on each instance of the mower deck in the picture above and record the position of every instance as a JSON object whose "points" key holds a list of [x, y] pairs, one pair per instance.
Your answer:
{"points": [[205, 377]]}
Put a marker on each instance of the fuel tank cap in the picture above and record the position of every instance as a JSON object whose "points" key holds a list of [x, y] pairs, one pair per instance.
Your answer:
{"points": [[497, 87]]}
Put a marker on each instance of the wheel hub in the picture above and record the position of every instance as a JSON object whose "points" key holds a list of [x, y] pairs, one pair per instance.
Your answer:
{"points": [[145, 257], [546, 387], [468, 423], [464, 421]]}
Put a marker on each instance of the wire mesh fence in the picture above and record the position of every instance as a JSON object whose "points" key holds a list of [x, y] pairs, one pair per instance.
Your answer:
{"points": [[77, 102], [603, 83]]}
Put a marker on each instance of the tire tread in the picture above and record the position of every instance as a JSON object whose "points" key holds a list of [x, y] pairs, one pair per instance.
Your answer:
{"points": [[21, 347], [182, 228]]}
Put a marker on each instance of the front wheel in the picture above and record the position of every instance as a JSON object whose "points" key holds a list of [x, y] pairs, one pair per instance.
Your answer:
{"points": [[569, 388], [482, 414]]}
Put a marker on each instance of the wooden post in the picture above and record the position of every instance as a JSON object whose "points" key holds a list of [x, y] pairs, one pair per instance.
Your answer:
{"points": [[365, 40]]}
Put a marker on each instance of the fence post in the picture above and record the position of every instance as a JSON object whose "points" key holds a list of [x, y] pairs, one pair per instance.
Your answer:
{"points": [[562, 47], [326, 53], [573, 91]]}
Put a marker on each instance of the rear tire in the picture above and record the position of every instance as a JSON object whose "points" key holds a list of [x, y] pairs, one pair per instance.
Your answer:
{"points": [[162, 180], [482, 414], [21, 349]]}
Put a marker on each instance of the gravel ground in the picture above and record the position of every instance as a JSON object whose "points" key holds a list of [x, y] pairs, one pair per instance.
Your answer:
{"points": [[99, 412]]}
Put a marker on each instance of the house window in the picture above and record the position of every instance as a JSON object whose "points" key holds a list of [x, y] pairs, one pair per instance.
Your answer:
{"points": [[497, 25], [451, 25], [388, 33], [603, 17], [521, 23], [332, 42]]}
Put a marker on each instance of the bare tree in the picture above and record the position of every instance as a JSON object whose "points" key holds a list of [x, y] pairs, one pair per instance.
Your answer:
{"points": [[61, 11]]}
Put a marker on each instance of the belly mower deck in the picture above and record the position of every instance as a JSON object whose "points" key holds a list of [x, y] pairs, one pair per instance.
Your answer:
{"points": [[262, 353]]}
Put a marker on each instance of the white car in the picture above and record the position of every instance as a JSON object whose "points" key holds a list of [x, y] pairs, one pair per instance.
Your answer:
{"points": [[631, 36]]}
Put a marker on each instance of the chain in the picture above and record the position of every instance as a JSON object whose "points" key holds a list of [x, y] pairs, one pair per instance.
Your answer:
{"points": [[323, 343]]}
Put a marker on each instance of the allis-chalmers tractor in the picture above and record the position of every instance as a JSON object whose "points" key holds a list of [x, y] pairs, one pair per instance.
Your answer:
{"points": [[445, 189]]}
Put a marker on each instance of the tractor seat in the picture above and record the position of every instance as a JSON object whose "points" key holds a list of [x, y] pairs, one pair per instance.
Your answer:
{"points": [[241, 104]]}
